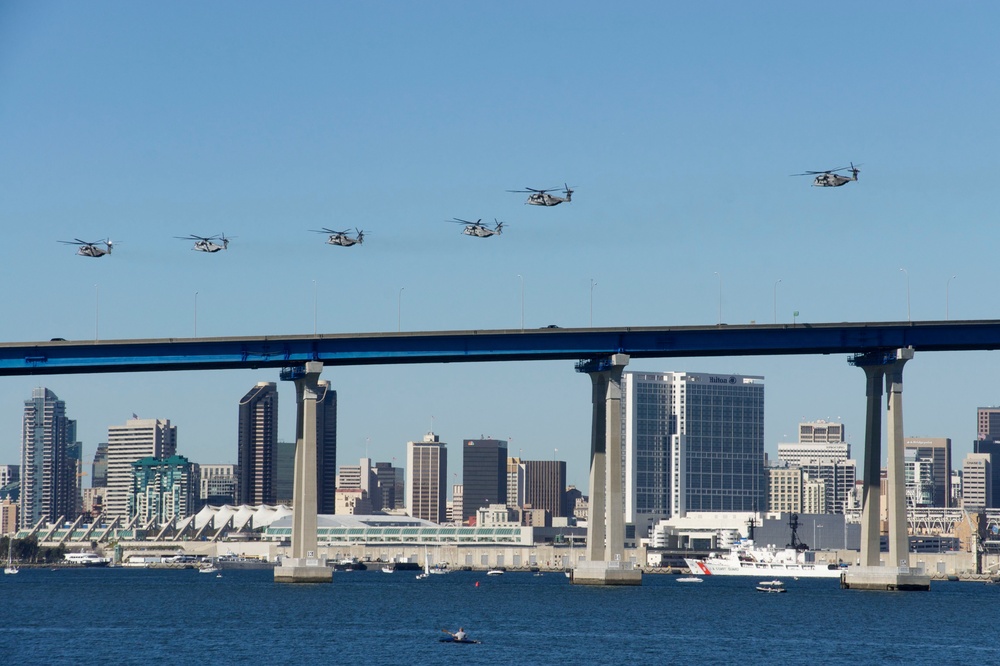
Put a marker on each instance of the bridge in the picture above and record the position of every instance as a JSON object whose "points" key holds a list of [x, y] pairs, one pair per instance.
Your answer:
{"points": [[880, 349], [95, 356]]}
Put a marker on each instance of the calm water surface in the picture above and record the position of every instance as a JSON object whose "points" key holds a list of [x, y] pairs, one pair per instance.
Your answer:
{"points": [[121, 616]]}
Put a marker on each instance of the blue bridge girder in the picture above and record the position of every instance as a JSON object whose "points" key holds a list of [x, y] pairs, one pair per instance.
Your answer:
{"points": [[149, 355]]}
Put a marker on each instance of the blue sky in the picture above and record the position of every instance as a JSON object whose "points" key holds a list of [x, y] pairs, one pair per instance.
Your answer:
{"points": [[678, 124]]}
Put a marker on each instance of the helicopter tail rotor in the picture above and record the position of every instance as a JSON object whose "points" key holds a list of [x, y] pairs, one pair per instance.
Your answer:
{"points": [[854, 171], [499, 226], [361, 236], [568, 191]]}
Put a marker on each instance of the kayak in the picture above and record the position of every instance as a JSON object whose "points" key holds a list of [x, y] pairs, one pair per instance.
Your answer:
{"points": [[455, 640]]}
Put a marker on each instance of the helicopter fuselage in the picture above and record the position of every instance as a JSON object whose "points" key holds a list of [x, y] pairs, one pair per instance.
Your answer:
{"points": [[832, 180], [207, 246], [342, 241], [478, 231], [544, 200], [91, 251]]}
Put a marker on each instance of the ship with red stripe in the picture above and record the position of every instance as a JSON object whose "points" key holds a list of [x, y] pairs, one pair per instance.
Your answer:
{"points": [[745, 559]]}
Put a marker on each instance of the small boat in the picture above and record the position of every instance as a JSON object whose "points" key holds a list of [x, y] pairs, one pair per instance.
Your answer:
{"points": [[10, 568], [208, 568], [388, 568], [455, 640], [495, 572], [690, 579], [426, 573], [771, 586]]}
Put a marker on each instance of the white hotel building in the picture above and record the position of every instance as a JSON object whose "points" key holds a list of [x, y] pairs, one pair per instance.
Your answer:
{"points": [[693, 442]]}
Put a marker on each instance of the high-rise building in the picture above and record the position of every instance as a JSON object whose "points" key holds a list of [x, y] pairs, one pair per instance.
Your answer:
{"points": [[988, 423], [484, 475], [977, 482], [821, 432], [692, 442], [426, 478], [326, 449], [390, 486], [137, 439], [931, 470], [258, 438], [267, 466], [283, 472], [784, 489], [99, 468], [826, 461], [8, 517], [162, 490], [545, 486], [990, 447], [216, 485], [515, 483], [49, 481], [360, 477]]}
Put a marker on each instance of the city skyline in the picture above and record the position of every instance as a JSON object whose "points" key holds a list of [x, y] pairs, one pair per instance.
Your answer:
{"points": [[677, 127]]}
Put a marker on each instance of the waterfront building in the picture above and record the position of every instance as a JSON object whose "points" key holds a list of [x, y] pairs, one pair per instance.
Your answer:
{"points": [[977, 482], [49, 461], [128, 443], [692, 442], [545, 486], [162, 490], [426, 478], [216, 484], [258, 438], [497, 515], [99, 468], [484, 475], [8, 517], [932, 458]]}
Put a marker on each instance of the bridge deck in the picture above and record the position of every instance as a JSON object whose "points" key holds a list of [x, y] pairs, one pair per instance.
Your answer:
{"points": [[65, 357]]}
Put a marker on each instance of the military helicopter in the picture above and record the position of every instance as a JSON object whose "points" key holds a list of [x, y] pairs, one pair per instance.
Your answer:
{"points": [[91, 249], [206, 243], [478, 229], [543, 198], [831, 178], [341, 238]]}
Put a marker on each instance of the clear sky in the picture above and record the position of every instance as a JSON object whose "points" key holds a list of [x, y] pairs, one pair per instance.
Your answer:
{"points": [[678, 124]]}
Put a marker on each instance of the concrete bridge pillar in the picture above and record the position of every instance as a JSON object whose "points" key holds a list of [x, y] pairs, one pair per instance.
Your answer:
{"points": [[872, 470], [605, 563], [304, 565], [899, 543], [897, 574]]}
